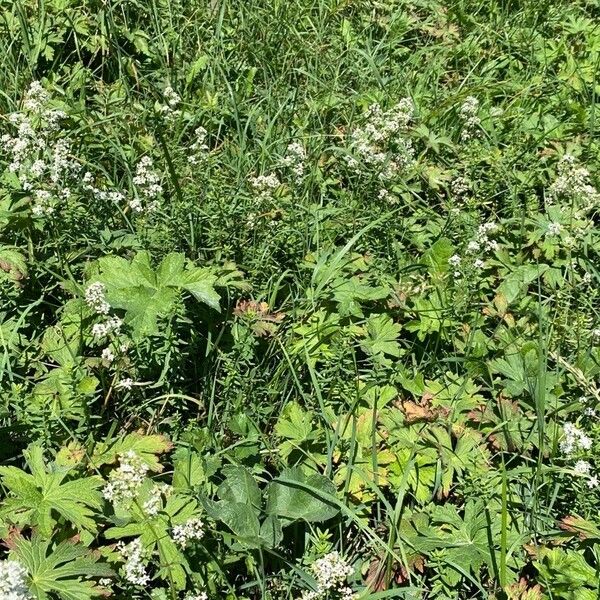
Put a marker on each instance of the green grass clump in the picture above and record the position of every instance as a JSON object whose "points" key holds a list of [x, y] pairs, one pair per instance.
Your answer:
{"points": [[299, 299]]}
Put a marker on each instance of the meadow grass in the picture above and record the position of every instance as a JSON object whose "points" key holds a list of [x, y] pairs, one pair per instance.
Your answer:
{"points": [[299, 299]]}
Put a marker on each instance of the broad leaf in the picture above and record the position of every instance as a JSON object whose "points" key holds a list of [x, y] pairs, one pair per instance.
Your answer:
{"points": [[296, 496]]}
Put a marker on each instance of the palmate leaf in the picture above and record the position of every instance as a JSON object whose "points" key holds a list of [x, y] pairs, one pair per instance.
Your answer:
{"points": [[145, 294], [351, 293], [381, 337], [147, 447], [64, 570], [40, 498], [465, 540]]}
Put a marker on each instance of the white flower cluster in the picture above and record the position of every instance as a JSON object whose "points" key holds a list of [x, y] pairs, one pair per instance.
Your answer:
{"points": [[199, 596], [331, 573], [43, 205], [554, 229], [40, 159], [199, 149], [378, 145], [108, 355], [382, 125], [265, 185], [483, 239], [148, 187], [95, 297], [459, 187], [134, 569], [153, 505], [468, 113], [573, 182], [125, 384], [483, 243], [103, 195], [36, 98], [476, 248], [584, 468], [111, 325], [172, 98], [192, 529], [454, 261], [13, 581], [125, 481], [576, 440], [295, 160]]}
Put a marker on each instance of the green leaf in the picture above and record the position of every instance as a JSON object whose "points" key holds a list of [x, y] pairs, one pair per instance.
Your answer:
{"points": [[146, 295], [240, 518], [240, 486], [13, 263], [517, 281], [436, 258], [295, 423], [271, 532], [147, 447], [200, 283], [188, 470], [40, 498], [381, 336], [296, 496], [66, 569]]}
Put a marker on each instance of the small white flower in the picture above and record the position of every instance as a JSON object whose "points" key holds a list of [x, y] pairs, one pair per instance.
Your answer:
{"points": [[573, 183], [125, 384], [13, 581], [574, 439], [592, 482], [153, 505], [554, 229], [331, 571], [468, 113], [295, 160], [36, 98], [108, 355], [172, 97], [582, 467], [199, 149], [148, 187], [192, 529], [265, 185], [479, 264], [198, 596], [42, 205], [111, 325], [454, 260], [95, 297], [459, 186], [134, 568], [124, 482]]}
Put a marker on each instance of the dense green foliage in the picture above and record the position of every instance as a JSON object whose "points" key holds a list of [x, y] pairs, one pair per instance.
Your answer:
{"points": [[299, 299]]}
